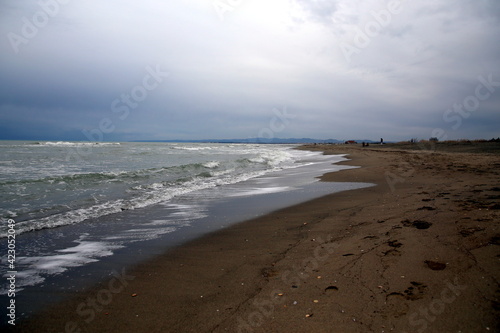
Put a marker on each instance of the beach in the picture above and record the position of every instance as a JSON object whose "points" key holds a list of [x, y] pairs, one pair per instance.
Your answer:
{"points": [[419, 252]]}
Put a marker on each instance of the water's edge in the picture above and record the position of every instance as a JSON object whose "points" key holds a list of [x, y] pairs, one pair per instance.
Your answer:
{"points": [[223, 212]]}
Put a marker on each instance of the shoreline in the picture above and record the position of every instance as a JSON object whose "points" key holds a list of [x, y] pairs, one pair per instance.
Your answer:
{"points": [[210, 210], [355, 261]]}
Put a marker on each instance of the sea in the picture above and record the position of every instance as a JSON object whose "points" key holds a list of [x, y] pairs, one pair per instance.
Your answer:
{"points": [[81, 210]]}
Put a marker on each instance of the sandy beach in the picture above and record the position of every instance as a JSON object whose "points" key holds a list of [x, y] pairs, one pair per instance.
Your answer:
{"points": [[419, 252]]}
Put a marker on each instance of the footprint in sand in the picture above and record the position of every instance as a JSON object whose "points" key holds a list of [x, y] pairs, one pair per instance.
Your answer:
{"points": [[268, 272], [426, 208], [434, 265], [396, 305], [415, 291], [470, 231], [394, 244], [419, 224], [495, 240]]}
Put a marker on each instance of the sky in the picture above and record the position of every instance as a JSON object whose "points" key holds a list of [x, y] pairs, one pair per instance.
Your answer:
{"points": [[122, 70]]}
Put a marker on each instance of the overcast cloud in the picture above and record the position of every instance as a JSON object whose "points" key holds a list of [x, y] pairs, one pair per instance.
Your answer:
{"points": [[216, 69]]}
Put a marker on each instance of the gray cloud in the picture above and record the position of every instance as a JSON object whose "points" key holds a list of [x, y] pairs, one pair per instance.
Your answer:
{"points": [[226, 77]]}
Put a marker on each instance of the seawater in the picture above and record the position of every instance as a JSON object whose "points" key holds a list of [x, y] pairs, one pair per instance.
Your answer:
{"points": [[73, 211], [43, 185]]}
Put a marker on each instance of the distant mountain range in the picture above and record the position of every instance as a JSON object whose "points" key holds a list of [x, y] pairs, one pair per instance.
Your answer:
{"points": [[262, 141]]}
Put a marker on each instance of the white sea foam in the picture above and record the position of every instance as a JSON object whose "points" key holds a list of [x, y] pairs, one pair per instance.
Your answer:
{"points": [[76, 144], [147, 195], [140, 234], [11, 214], [262, 190], [192, 148], [211, 164], [37, 267]]}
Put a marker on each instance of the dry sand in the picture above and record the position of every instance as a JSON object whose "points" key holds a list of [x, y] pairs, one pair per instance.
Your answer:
{"points": [[417, 253]]}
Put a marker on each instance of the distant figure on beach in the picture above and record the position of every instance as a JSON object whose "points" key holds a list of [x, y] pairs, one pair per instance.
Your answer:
{"points": [[381, 141]]}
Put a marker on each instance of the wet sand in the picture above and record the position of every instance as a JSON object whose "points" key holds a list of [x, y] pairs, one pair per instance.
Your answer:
{"points": [[417, 253]]}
